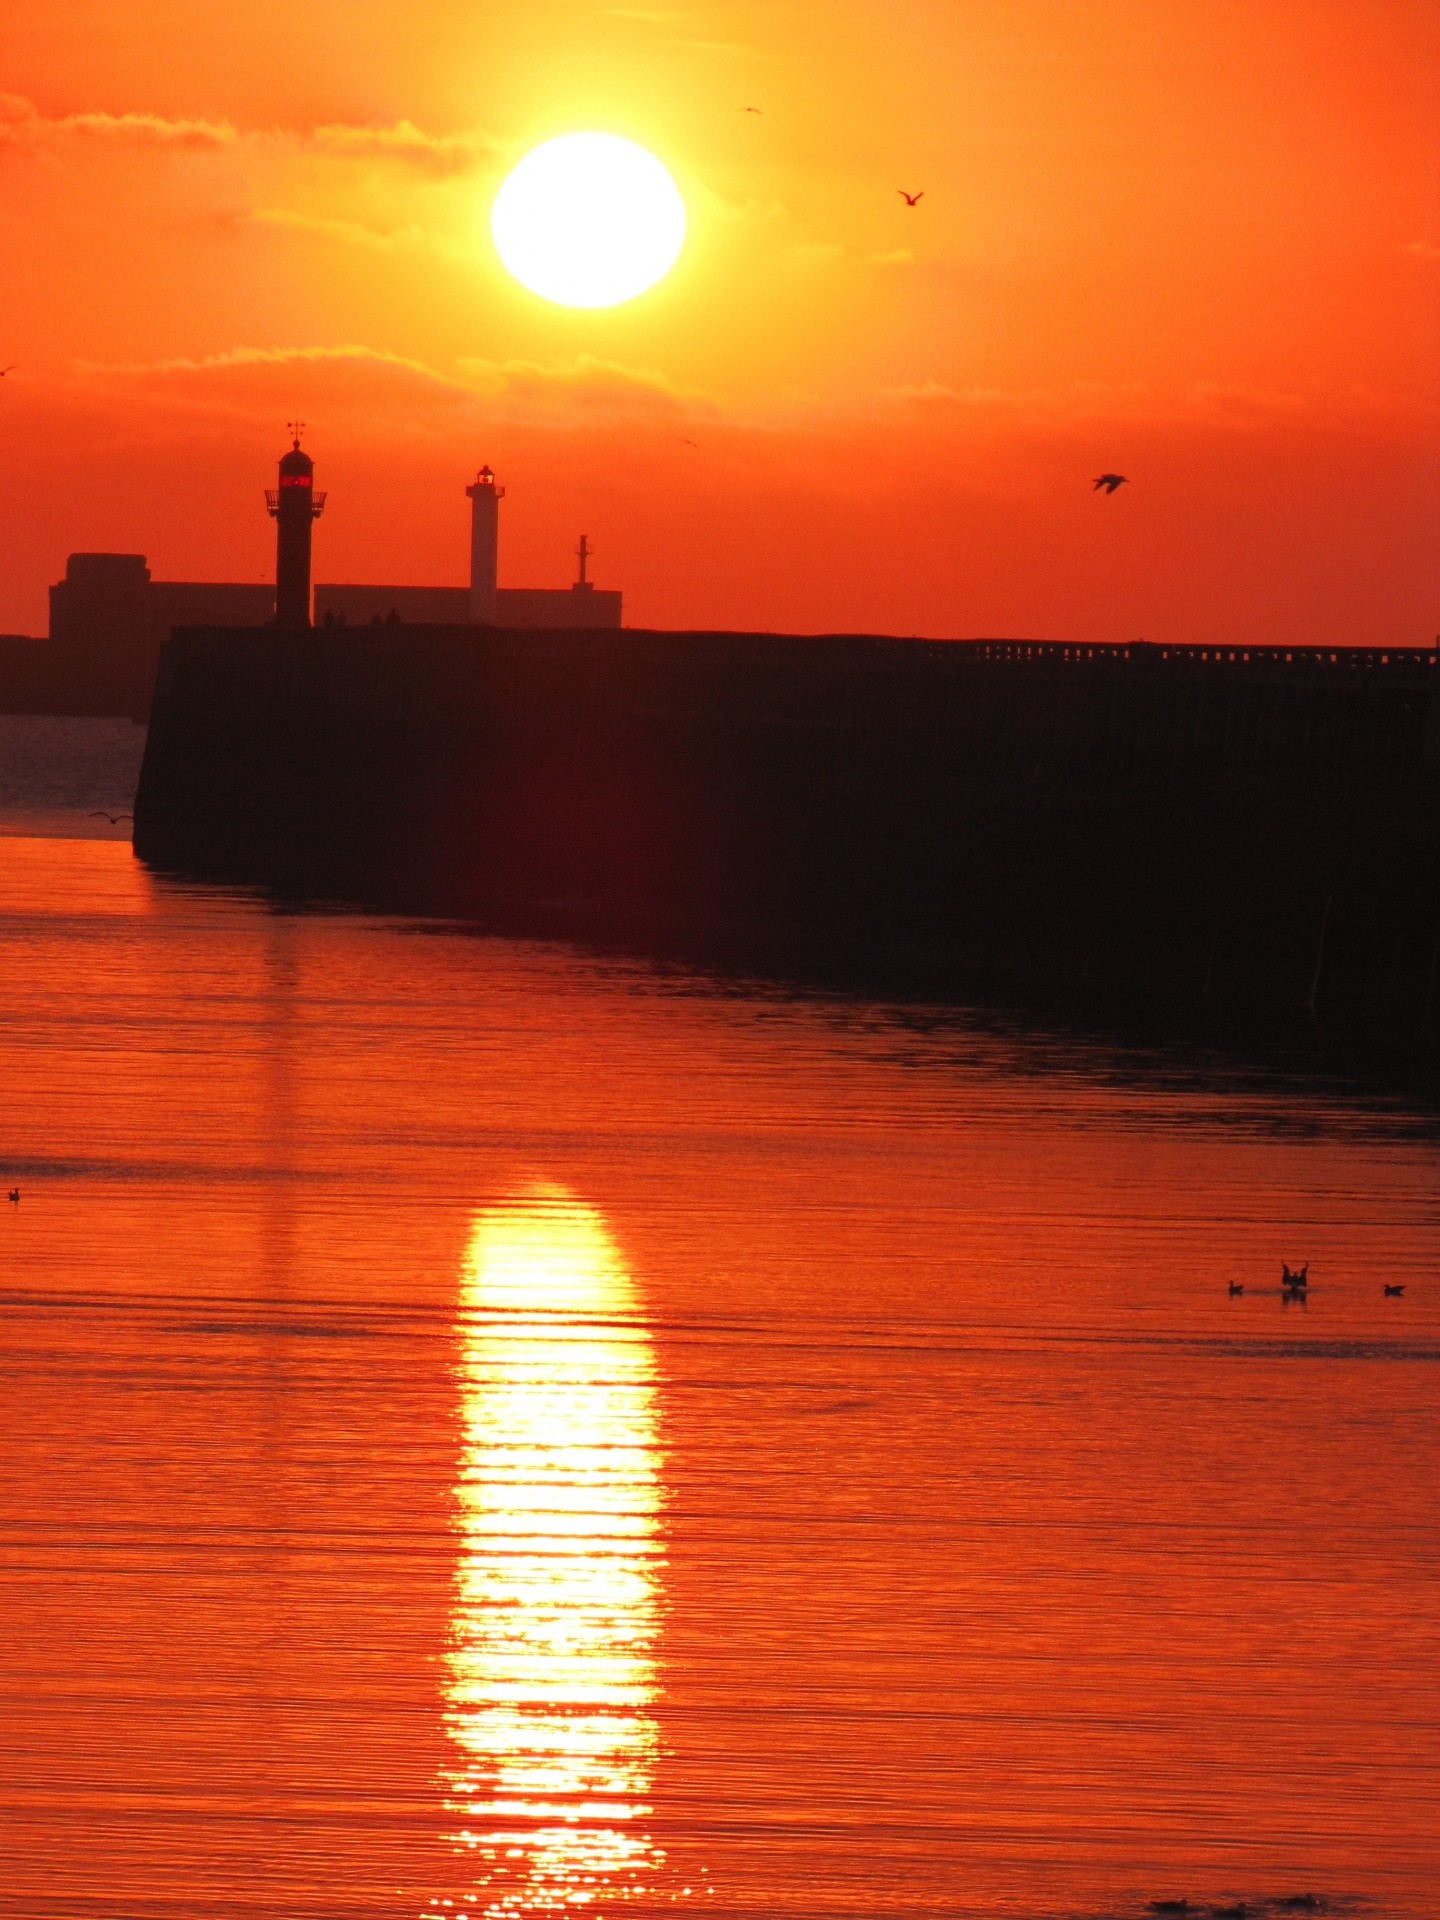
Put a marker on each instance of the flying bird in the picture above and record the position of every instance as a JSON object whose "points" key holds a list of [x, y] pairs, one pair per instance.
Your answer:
{"points": [[910, 198], [113, 818], [752, 109], [9, 369], [688, 443], [1110, 481]]}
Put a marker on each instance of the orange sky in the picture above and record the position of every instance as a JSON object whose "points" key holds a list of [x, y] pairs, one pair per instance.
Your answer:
{"points": [[1197, 241]]}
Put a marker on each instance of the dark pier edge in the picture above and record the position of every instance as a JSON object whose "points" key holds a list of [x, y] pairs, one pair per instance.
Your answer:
{"points": [[1252, 830]]}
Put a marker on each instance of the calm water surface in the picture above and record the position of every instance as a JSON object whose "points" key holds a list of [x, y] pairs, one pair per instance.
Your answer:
{"points": [[487, 1429]]}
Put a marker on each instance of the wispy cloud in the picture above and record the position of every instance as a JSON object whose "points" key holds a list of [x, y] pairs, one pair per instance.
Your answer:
{"points": [[400, 142], [1423, 250], [1232, 406], [22, 123], [586, 383], [709, 46], [403, 141], [245, 359], [581, 391], [354, 233]]}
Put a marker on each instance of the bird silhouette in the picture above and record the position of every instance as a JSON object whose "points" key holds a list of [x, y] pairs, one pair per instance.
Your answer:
{"points": [[1110, 481], [114, 818], [752, 109], [1236, 1286], [688, 443], [9, 369], [14, 1196], [1394, 1291], [910, 199]]}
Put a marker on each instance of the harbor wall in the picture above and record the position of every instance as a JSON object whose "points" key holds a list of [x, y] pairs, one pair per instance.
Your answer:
{"points": [[1248, 827]]}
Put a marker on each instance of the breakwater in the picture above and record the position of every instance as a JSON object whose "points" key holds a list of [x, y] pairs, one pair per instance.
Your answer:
{"points": [[1248, 827]]}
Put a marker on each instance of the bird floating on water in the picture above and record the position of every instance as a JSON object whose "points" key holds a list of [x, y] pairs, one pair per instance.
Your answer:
{"points": [[1109, 481], [911, 199], [1395, 1292], [14, 1196], [1236, 1287]]}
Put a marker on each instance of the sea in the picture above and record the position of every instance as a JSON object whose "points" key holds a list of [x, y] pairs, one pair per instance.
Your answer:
{"points": [[493, 1427]]}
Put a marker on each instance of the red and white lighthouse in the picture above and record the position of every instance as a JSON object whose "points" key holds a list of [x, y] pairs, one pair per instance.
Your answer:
{"points": [[485, 498], [294, 506]]}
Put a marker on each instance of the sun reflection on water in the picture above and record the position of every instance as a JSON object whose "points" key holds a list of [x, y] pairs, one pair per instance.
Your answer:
{"points": [[551, 1664]]}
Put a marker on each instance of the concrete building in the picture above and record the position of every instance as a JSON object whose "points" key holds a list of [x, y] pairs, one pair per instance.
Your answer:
{"points": [[484, 602], [108, 620]]}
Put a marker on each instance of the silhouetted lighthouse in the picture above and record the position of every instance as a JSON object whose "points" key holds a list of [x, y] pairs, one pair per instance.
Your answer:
{"points": [[485, 498], [294, 505]]}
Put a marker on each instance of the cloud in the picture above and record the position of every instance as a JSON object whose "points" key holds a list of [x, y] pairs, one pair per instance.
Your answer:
{"points": [[932, 393], [1227, 406], [346, 379], [901, 257], [21, 123], [585, 384], [349, 380], [1423, 250], [399, 143], [709, 46], [267, 357], [352, 232], [403, 141]]}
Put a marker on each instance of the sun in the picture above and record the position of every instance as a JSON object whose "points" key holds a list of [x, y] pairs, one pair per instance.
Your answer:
{"points": [[588, 220]]}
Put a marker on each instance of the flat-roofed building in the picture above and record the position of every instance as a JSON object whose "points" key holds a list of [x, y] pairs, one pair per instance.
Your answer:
{"points": [[108, 620]]}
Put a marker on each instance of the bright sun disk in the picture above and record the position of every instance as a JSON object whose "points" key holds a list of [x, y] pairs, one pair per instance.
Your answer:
{"points": [[588, 220]]}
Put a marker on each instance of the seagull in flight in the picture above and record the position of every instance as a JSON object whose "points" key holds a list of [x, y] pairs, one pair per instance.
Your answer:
{"points": [[114, 818], [10, 369], [1110, 481], [910, 199], [752, 110]]}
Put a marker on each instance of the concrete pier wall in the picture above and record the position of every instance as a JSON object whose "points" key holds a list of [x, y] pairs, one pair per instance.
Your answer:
{"points": [[1257, 827]]}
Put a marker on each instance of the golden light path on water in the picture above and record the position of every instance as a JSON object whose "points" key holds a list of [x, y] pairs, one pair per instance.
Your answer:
{"points": [[551, 1668]]}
